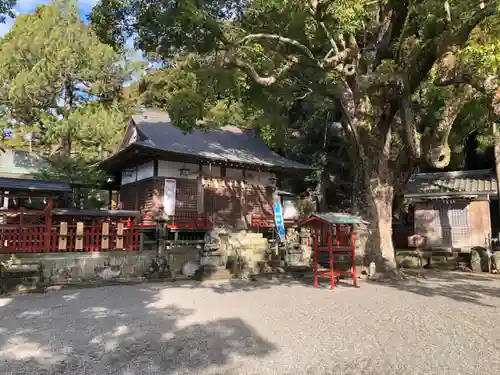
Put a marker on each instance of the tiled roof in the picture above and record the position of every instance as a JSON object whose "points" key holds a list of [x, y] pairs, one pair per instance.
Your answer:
{"points": [[451, 183], [338, 218], [34, 185], [228, 144]]}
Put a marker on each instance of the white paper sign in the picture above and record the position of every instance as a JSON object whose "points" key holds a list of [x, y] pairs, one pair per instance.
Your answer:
{"points": [[169, 196]]}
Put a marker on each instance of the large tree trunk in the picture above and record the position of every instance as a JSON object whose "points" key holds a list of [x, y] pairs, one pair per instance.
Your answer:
{"points": [[380, 198]]}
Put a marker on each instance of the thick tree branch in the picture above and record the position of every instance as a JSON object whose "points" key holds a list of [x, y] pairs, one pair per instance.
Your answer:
{"points": [[316, 9], [487, 85], [337, 62], [438, 154], [410, 128], [373, 80], [278, 38], [440, 46], [231, 60], [467, 26], [393, 30]]}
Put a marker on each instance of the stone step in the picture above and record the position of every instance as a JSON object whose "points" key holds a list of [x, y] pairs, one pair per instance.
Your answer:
{"points": [[220, 274], [247, 235], [216, 273]]}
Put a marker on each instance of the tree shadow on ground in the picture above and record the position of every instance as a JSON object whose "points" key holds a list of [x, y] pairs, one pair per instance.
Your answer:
{"points": [[261, 283], [131, 332], [462, 287], [477, 289]]}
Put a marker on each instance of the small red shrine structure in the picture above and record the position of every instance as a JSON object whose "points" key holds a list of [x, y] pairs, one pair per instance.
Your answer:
{"points": [[333, 237]]}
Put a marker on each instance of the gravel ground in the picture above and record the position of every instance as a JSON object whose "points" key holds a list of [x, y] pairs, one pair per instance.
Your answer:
{"points": [[447, 323]]}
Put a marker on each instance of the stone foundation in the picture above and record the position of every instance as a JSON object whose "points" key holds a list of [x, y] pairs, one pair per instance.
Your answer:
{"points": [[253, 248], [82, 267]]}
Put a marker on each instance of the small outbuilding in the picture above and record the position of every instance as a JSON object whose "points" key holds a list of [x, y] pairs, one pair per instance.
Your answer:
{"points": [[451, 210]]}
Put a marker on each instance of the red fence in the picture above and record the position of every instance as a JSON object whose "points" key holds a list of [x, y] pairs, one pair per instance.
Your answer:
{"points": [[63, 238], [23, 231], [183, 220], [39, 232]]}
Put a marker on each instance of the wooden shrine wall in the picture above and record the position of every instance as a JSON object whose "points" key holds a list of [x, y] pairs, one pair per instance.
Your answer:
{"points": [[224, 201]]}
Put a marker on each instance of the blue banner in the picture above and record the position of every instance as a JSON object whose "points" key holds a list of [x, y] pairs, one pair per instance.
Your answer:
{"points": [[278, 219]]}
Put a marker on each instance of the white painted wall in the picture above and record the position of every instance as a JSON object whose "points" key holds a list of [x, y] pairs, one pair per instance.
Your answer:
{"points": [[134, 174], [129, 175], [234, 174], [260, 178], [211, 171], [171, 169], [145, 171]]}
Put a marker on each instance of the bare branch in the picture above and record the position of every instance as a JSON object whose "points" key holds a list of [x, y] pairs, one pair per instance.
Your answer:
{"points": [[395, 13], [329, 35], [378, 79], [486, 85], [278, 38], [314, 9], [232, 61], [339, 59]]}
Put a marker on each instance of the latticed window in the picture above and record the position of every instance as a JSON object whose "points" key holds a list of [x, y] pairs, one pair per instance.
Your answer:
{"points": [[458, 217], [450, 216], [450, 223], [186, 195]]}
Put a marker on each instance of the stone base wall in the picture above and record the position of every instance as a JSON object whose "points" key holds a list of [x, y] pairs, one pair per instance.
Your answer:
{"points": [[415, 259], [252, 247], [82, 267]]}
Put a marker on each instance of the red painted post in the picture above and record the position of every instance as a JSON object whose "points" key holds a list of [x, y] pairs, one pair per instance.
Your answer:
{"points": [[90, 245], [48, 225], [315, 244], [353, 250], [330, 253]]}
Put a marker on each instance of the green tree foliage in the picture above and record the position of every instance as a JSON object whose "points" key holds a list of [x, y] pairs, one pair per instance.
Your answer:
{"points": [[196, 94], [87, 179], [53, 69], [383, 63], [6, 7]]}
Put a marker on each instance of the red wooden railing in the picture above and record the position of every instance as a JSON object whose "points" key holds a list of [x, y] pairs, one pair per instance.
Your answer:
{"points": [[190, 220], [35, 239], [24, 231], [31, 231], [185, 220]]}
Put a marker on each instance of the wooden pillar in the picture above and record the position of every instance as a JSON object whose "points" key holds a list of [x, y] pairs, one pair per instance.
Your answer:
{"points": [[243, 201], [315, 245], [200, 190], [330, 255], [110, 199], [353, 252], [48, 225]]}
